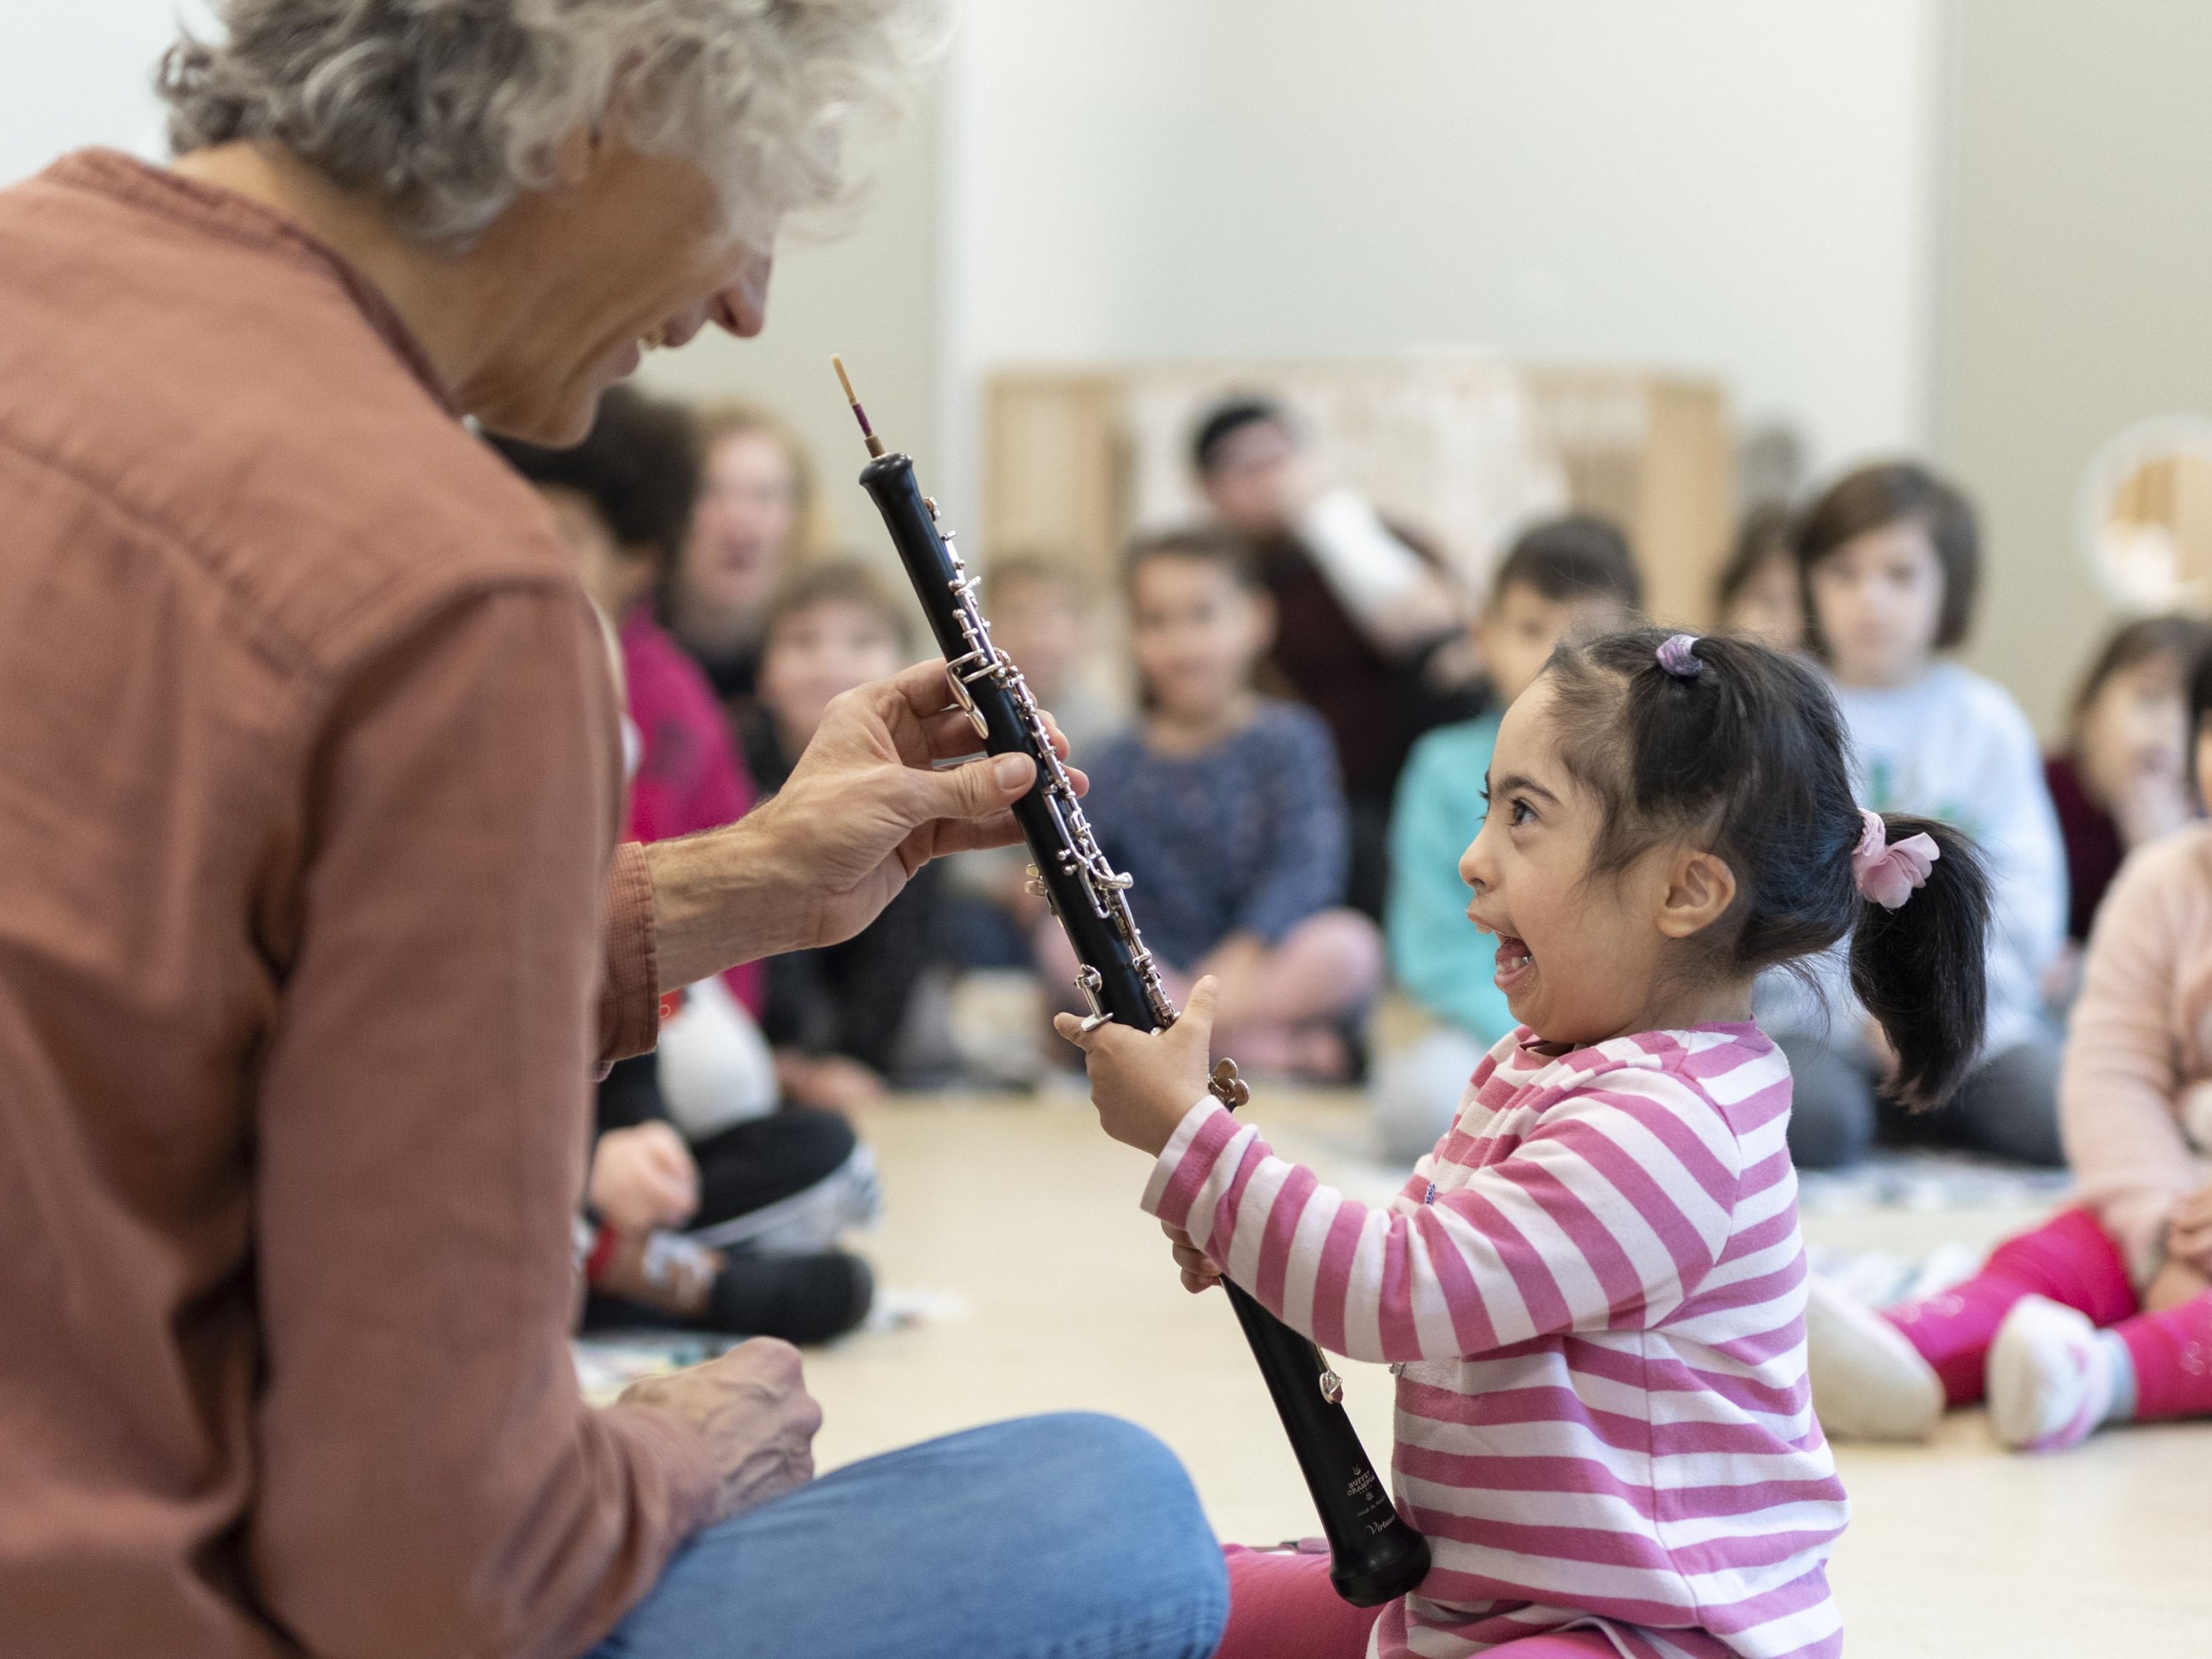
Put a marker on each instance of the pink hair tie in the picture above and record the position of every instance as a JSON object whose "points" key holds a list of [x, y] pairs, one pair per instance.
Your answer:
{"points": [[1887, 873], [1677, 655]]}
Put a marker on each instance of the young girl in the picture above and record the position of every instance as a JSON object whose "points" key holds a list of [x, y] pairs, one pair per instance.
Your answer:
{"points": [[1760, 591], [1561, 577], [2104, 1314], [2121, 780], [1223, 806], [1891, 558], [1594, 1285]]}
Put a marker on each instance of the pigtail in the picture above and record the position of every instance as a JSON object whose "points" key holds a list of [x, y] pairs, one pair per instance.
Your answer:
{"points": [[1921, 969]]}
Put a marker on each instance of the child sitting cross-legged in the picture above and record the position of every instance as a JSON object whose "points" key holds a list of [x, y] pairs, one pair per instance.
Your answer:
{"points": [[1224, 807], [1594, 1287], [1891, 556], [1567, 576], [2103, 1314]]}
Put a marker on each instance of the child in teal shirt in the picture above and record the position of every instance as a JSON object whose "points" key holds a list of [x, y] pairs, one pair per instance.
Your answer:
{"points": [[1570, 575]]}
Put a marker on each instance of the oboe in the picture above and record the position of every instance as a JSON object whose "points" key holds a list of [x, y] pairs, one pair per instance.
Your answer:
{"points": [[1374, 1555]]}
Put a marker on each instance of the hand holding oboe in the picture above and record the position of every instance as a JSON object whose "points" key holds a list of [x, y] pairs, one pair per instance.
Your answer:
{"points": [[1145, 1083]]}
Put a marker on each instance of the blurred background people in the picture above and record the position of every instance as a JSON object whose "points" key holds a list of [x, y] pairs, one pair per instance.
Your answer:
{"points": [[1760, 591], [1040, 613], [714, 1204], [753, 520], [1224, 805], [1041, 616], [1891, 560], [849, 1019], [1571, 576], [2102, 1314], [1360, 607], [2119, 780]]}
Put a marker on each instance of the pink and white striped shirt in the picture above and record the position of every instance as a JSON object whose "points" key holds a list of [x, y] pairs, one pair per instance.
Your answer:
{"points": [[1597, 1290]]}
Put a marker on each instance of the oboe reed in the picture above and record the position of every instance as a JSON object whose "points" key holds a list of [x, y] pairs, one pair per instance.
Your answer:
{"points": [[875, 444]]}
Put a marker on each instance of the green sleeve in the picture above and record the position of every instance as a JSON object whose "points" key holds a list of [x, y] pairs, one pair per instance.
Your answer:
{"points": [[1436, 953]]}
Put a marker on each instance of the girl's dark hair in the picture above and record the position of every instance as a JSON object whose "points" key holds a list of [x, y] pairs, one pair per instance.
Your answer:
{"points": [[2181, 639], [1763, 535], [1747, 758], [639, 469], [1897, 492]]}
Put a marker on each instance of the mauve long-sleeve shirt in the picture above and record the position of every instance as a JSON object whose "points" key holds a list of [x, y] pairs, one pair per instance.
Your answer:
{"points": [[2134, 1099], [311, 927]]}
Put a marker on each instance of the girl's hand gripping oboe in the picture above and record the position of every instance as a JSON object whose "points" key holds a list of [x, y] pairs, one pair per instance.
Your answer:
{"points": [[1145, 1083]]}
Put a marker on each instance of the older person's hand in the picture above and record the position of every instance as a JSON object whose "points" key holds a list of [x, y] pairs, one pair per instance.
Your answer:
{"points": [[752, 1407], [872, 799]]}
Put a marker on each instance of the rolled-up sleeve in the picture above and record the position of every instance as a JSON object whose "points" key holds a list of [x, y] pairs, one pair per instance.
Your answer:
{"points": [[629, 989], [429, 1481]]}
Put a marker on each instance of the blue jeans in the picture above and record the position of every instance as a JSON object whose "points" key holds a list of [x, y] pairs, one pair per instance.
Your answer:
{"points": [[1072, 1536]]}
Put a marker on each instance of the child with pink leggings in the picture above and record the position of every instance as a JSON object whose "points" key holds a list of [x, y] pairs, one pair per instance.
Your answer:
{"points": [[2104, 1314]]}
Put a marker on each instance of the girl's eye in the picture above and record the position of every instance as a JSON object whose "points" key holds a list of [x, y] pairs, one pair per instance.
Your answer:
{"points": [[1519, 812]]}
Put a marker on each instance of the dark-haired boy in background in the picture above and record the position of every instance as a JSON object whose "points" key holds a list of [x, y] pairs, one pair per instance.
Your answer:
{"points": [[1570, 575]]}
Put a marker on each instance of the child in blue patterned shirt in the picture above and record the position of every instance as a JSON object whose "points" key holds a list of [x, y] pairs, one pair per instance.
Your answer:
{"points": [[1225, 807]]}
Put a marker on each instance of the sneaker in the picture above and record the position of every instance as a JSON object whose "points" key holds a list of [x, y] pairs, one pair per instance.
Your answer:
{"points": [[801, 1299], [1868, 1382], [2049, 1378]]}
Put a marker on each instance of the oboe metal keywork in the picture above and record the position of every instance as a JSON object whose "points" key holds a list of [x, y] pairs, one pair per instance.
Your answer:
{"points": [[1375, 1556]]}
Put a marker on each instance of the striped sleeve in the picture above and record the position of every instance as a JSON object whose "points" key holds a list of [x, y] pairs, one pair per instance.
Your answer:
{"points": [[1605, 1217]]}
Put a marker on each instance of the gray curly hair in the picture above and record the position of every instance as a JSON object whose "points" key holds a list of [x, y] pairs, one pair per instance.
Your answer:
{"points": [[449, 108]]}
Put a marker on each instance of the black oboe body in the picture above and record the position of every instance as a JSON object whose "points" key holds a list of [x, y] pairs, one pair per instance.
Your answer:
{"points": [[1375, 1555]]}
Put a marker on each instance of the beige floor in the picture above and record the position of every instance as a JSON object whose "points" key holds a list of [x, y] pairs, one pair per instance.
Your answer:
{"points": [[1025, 1217]]}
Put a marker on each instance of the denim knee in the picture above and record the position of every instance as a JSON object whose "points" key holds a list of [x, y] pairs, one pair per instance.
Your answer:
{"points": [[1129, 1473]]}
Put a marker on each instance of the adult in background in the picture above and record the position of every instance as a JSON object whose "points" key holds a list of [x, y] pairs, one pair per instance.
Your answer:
{"points": [[753, 520], [1361, 610], [312, 923]]}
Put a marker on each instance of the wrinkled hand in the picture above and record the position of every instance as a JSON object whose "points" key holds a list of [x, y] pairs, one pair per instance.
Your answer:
{"points": [[753, 1409], [1199, 1273], [1145, 1083], [2189, 1231], [863, 808], [643, 1177]]}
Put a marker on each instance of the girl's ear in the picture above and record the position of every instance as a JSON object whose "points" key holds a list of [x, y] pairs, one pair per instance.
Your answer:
{"points": [[1701, 887]]}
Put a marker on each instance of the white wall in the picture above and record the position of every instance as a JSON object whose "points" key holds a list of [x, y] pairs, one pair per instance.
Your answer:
{"points": [[79, 74], [1735, 186], [2074, 298]]}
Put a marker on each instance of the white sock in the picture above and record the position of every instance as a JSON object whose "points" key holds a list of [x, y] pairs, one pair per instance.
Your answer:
{"points": [[2054, 1378], [2121, 1407], [1868, 1382]]}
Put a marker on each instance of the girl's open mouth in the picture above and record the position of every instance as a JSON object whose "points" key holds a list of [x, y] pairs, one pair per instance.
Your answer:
{"points": [[1515, 963]]}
